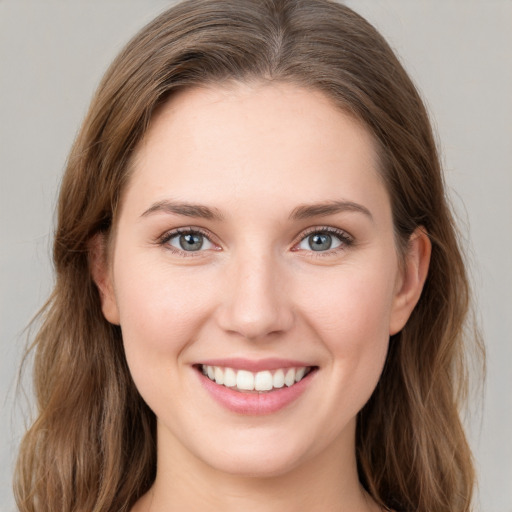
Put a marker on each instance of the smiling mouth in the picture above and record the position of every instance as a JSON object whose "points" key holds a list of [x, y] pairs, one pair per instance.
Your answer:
{"points": [[257, 382]]}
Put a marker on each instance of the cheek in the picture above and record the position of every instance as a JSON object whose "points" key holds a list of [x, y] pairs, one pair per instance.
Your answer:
{"points": [[160, 310], [347, 313], [352, 302], [161, 313], [350, 315]]}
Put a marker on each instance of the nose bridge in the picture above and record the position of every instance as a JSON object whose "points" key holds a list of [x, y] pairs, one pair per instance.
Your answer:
{"points": [[256, 304]]}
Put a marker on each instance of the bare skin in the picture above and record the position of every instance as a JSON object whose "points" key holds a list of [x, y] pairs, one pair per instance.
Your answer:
{"points": [[256, 226]]}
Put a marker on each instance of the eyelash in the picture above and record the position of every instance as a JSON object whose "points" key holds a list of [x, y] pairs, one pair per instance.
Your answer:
{"points": [[166, 237], [345, 239]]}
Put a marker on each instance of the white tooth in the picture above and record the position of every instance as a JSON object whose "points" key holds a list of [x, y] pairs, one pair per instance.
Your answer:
{"points": [[263, 381], [229, 378], [219, 375], [278, 379], [211, 372], [289, 378], [245, 380], [299, 374], [204, 370]]}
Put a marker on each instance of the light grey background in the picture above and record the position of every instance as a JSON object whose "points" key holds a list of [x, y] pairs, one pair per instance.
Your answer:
{"points": [[52, 55]]}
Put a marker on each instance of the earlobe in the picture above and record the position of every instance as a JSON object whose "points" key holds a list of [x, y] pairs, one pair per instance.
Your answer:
{"points": [[412, 279], [101, 275]]}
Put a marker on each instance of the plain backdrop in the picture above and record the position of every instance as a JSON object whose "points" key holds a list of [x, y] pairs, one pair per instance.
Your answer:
{"points": [[459, 52]]}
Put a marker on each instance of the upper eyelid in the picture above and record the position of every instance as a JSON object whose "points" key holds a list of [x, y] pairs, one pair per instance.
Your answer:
{"points": [[164, 239], [171, 233], [322, 229], [167, 235], [346, 239]]}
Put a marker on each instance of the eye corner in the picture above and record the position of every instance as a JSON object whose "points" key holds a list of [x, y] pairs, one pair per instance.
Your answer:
{"points": [[335, 239], [172, 240]]}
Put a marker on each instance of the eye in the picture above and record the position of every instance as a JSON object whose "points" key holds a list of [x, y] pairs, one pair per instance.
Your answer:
{"points": [[323, 240], [188, 241]]}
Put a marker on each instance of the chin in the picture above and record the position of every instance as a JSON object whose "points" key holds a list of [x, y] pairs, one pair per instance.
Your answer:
{"points": [[262, 466], [258, 458]]}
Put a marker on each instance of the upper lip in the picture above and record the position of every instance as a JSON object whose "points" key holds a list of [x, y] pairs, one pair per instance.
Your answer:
{"points": [[254, 365]]}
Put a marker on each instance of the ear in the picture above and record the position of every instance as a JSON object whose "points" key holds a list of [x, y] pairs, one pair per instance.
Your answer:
{"points": [[101, 274], [411, 279]]}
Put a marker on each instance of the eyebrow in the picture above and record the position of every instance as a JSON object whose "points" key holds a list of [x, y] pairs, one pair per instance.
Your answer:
{"points": [[301, 212], [324, 209], [185, 209]]}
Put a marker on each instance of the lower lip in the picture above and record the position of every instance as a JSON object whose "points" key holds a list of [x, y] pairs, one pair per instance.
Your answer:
{"points": [[254, 403]]}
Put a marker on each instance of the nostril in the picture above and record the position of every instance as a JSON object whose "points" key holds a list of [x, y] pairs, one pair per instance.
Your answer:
{"points": [[254, 304], [256, 323]]}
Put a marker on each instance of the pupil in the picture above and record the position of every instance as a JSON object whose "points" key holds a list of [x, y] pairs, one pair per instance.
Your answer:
{"points": [[191, 242], [320, 242]]}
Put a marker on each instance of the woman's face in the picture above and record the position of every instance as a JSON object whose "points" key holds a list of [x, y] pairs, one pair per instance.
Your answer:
{"points": [[255, 244]]}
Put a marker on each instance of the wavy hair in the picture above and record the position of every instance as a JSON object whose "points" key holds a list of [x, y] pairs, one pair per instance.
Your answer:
{"points": [[92, 447]]}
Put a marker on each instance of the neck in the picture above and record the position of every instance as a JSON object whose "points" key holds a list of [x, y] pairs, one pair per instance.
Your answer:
{"points": [[326, 481]]}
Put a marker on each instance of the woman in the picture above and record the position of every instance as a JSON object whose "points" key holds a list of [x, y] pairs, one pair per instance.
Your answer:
{"points": [[260, 297]]}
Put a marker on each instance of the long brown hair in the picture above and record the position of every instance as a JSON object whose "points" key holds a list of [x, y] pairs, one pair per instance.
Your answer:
{"points": [[92, 446]]}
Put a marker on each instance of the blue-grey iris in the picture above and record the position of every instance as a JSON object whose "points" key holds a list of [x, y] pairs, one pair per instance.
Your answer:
{"points": [[191, 241], [320, 241]]}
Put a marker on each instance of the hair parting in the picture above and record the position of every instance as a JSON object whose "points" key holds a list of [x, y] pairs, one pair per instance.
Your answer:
{"points": [[92, 447]]}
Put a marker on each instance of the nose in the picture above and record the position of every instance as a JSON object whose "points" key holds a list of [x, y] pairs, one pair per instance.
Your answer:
{"points": [[255, 303]]}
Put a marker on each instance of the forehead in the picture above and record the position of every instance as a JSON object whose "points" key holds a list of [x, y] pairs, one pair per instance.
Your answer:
{"points": [[254, 140]]}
